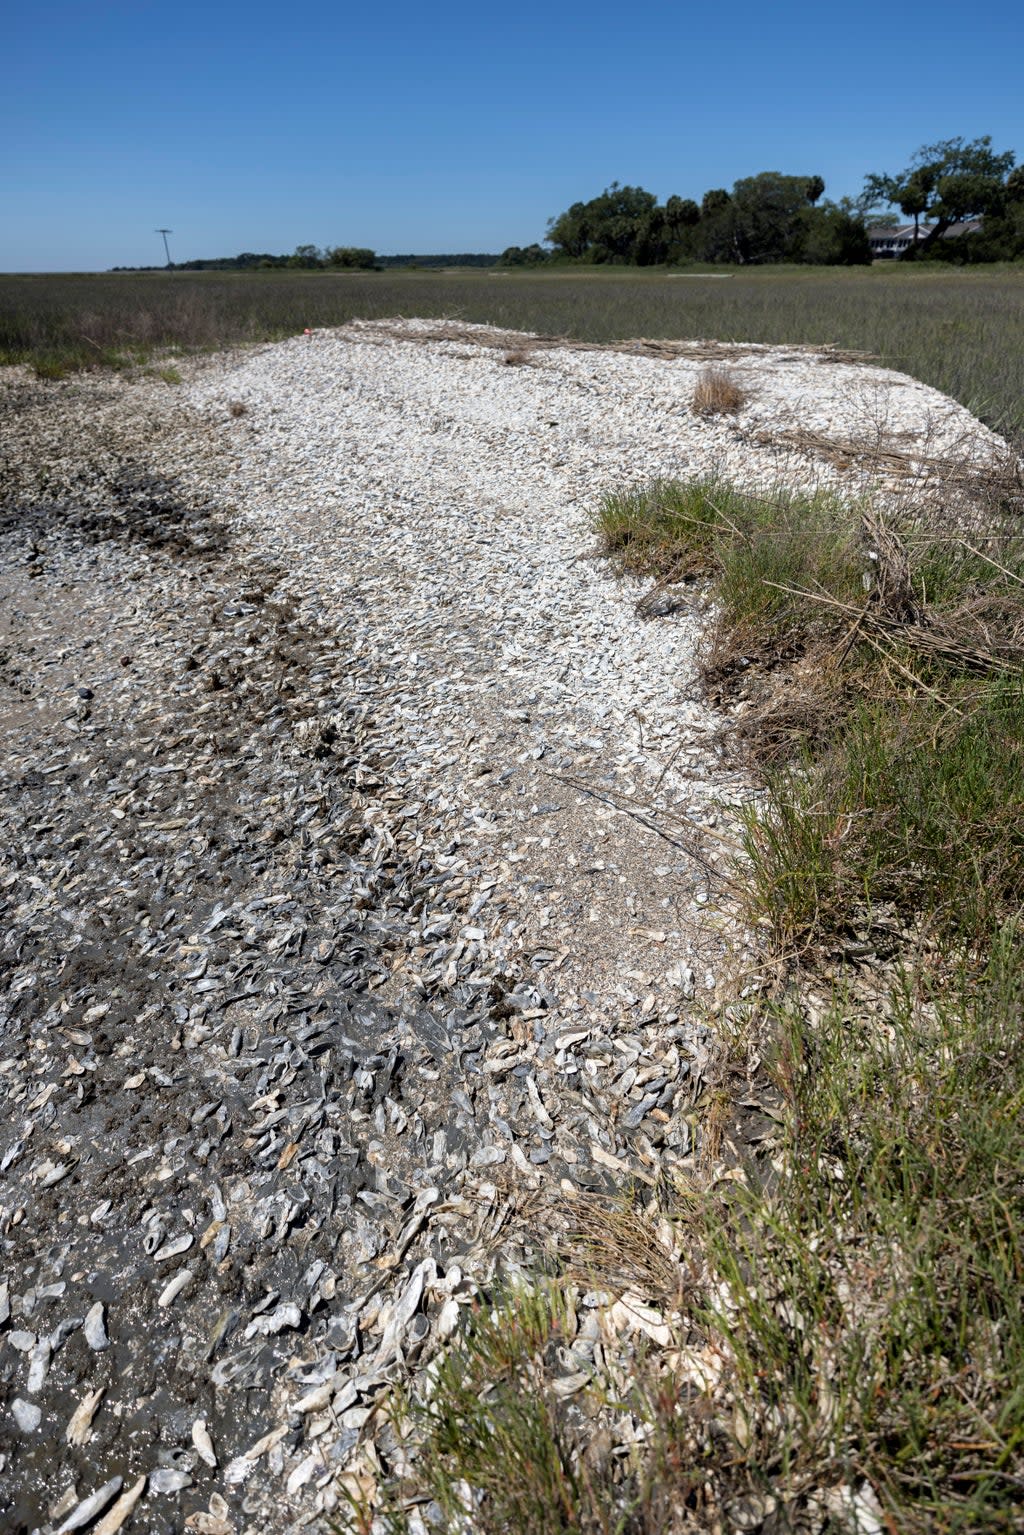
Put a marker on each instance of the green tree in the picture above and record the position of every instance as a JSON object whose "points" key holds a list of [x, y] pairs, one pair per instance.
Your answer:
{"points": [[681, 217], [569, 232], [305, 256], [524, 255], [832, 236], [766, 216], [351, 257], [714, 201], [815, 189], [945, 183], [623, 225], [1001, 237]]}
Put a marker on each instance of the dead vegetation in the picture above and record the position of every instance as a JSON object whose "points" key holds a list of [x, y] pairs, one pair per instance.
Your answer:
{"points": [[717, 394], [512, 341]]}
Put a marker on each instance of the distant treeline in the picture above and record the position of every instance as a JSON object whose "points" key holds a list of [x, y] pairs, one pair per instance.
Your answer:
{"points": [[304, 257], [966, 201], [478, 259], [310, 258]]}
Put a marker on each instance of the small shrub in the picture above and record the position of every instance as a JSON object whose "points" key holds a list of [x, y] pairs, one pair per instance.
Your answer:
{"points": [[237, 408]]}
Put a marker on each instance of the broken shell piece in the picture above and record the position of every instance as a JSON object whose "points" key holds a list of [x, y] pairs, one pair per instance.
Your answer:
{"points": [[209, 1524], [173, 1249], [39, 1365], [173, 1289], [90, 1506], [203, 1443], [94, 1329], [285, 1315], [26, 1415], [79, 1429], [114, 1517], [166, 1480]]}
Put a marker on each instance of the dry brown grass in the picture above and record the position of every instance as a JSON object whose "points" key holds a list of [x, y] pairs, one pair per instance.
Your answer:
{"points": [[612, 1245], [717, 394]]}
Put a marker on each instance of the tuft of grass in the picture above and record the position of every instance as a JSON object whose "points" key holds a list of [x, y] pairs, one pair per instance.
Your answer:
{"points": [[616, 1246], [667, 528], [717, 393], [496, 1450], [764, 550]]}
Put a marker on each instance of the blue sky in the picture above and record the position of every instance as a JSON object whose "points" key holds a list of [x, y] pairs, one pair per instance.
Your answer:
{"points": [[431, 126]]}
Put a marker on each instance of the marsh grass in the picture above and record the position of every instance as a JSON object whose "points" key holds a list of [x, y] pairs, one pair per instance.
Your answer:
{"points": [[863, 1290], [855, 1320], [962, 332], [880, 666], [874, 1324], [915, 812]]}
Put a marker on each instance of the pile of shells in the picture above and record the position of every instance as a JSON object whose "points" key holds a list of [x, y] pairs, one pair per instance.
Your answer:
{"points": [[365, 866]]}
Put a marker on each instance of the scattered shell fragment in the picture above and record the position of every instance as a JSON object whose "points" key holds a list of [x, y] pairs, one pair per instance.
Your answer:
{"points": [[79, 1429], [166, 1480], [174, 1248], [89, 1507], [203, 1443], [174, 1287], [94, 1328], [115, 1516], [27, 1415]]}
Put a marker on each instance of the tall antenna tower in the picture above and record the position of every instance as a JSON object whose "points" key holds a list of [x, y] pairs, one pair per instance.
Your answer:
{"points": [[165, 233]]}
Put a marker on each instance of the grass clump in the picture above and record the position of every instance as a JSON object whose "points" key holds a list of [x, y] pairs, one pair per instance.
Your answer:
{"points": [[910, 815], [877, 667], [717, 393], [496, 1450], [765, 554]]}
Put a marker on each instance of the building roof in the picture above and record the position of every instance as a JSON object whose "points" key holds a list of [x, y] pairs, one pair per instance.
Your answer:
{"points": [[886, 234]]}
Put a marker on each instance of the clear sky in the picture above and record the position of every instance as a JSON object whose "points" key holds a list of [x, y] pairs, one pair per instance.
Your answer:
{"points": [[421, 125]]}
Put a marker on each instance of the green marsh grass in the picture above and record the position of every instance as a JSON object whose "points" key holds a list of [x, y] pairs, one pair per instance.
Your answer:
{"points": [[960, 331]]}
